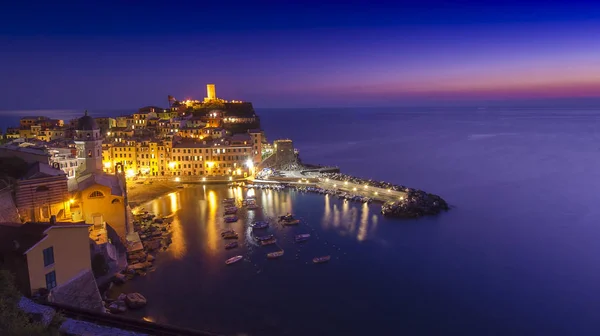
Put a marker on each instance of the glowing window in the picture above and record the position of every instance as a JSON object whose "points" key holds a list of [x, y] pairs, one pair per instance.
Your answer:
{"points": [[96, 194]]}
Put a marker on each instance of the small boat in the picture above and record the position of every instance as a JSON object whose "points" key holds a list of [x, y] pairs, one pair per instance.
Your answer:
{"points": [[229, 212], [233, 260], [302, 237], [231, 219], [286, 217], [291, 222], [231, 245], [229, 200], [230, 236], [231, 208], [228, 231], [261, 238], [252, 206], [268, 242], [260, 225], [274, 255], [323, 259]]}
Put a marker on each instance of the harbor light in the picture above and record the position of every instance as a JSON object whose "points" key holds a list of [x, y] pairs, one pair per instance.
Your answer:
{"points": [[204, 179], [249, 163], [71, 201], [130, 173], [354, 189], [177, 179]]}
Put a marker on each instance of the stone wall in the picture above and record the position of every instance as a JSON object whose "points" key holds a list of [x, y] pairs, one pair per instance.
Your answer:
{"points": [[8, 210], [284, 152]]}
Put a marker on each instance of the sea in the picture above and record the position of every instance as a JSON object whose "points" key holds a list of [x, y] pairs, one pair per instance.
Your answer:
{"points": [[518, 253]]}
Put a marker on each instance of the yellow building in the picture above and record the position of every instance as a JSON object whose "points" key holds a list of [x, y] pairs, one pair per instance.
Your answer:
{"points": [[231, 156], [99, 197], [44, 255]]}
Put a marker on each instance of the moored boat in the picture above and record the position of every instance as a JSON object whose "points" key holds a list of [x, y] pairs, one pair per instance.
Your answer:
{"points": [[231, 245], [268, 242], [252, 206], [286, 217], [291, 222], [229, 200], [228, 231], [230, 235], [274, 255], [323, 259], [261, 238], [302, 237], [233, 260], [231, 219], [260, 225]]}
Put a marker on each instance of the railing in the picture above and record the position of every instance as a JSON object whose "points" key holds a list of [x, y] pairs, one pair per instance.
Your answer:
{"points": [[125, 323]]}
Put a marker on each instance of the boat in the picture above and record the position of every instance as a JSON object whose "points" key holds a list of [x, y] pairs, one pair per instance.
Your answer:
{"points": [[302, 237], [252, 206], [230, 211], [228, 231], [260, 225], [291, 222], [261, 238], [230, 235], [231, 219], [233, 260], [286, 217], [319, 260], [229, 200], [274, 255], [231, 208], [231, 245], [268, 242]]}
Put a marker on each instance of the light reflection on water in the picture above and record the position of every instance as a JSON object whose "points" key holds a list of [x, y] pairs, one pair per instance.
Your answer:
{"points": [[198, 253]]}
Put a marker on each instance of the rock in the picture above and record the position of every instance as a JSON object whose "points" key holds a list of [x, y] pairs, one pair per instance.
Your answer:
{"points": [[135, 300], [120, 278], [117, 307], [150, 258], [136, 266], [122, 297]]}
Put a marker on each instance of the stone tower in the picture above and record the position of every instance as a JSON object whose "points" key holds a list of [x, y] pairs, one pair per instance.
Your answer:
{"points": [[88, 142], [211, 93]]}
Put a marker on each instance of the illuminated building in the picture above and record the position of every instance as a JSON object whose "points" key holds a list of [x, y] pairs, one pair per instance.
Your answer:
{"points": [[211, 92]]}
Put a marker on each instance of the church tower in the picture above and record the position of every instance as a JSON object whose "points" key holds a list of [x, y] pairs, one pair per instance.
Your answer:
{"points": [[88, 142]]}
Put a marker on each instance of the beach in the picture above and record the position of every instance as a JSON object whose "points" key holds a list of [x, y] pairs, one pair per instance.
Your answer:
{"points": [[140, 193]]}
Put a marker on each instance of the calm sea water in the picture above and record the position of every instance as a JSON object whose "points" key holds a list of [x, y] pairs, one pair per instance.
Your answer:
{"points": [[517, 255]]}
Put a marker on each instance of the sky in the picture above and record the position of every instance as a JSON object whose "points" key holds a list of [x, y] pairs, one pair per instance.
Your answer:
{"points": [[130, 54]]}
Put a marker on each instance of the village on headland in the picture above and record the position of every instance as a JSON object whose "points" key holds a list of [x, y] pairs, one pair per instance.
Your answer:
{"points": [[72, 191]]}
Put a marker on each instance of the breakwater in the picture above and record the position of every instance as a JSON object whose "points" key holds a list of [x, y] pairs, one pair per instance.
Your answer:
{"points": [[398, 201]]}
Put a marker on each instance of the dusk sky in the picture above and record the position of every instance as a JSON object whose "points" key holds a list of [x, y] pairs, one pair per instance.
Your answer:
{"points": [[297, 55]]}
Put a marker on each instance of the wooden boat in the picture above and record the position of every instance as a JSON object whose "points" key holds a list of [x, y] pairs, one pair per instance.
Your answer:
{"points": [[261, 238], [231, 219], [291, 222], [228, 231], [230, 235], [260, 225], [268, 242], [233, 260], [274, 255], [319, 260], [286, 217], [302, 237], [231, 245], [230, 211]]}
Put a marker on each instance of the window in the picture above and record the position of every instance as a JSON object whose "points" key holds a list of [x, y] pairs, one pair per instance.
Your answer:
{"points": [[48, 256], [42, 188], [116, 200], [51, 280], [96, 194]]}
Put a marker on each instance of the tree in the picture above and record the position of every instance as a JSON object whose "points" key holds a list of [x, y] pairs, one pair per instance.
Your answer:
{"points": [[13, 321]]}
